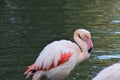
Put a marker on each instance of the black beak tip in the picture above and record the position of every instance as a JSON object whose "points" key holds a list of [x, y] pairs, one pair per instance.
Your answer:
{"points": [[90, 50]]}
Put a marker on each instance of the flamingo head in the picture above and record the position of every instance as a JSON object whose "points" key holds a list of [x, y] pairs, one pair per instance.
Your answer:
{"points": [[86, 36]]}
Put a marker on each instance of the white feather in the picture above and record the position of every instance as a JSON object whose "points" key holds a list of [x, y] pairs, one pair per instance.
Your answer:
{"points": [[51, 53], [109, 73]]}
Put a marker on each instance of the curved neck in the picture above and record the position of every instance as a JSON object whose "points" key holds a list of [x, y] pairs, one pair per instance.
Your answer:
{"points": [[82, 44]]}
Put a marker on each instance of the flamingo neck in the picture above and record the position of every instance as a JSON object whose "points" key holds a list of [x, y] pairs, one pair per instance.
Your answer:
{"points": [[82, 44]]}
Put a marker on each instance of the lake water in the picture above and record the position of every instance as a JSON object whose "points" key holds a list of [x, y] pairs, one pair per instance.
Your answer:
{"points": [[26, 26]]}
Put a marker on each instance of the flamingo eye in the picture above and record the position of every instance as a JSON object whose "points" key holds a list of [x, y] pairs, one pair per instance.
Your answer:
{"points": [[80, 37]]}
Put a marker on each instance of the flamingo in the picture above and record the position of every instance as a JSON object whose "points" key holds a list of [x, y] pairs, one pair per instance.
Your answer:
{"points": [[59, 58], [109, 73]]}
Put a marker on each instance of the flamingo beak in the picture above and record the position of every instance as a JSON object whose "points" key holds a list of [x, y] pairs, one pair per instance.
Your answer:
{"points": [[90, 45], [89, 50]]}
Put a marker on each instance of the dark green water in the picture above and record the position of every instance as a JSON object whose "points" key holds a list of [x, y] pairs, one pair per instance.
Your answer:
{"points": [[26, 26]]}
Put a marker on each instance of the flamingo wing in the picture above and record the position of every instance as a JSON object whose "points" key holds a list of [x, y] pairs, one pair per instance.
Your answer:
{"points": [[53, 55], [48, 64]]}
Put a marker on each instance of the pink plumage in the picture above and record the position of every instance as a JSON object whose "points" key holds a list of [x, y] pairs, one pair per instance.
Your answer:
{"points": [[109, 73], [59, 58]]}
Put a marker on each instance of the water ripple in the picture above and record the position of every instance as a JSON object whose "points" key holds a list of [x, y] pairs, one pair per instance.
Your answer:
{"points": [[106, 57], [115, 21]]}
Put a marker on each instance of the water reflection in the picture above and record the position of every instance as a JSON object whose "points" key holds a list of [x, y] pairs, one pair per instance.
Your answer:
{"points": [[108, 57], [115, 21], [27, 26]]}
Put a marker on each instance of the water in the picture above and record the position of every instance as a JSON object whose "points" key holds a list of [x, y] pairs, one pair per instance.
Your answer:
{"points": [[26, 26]]}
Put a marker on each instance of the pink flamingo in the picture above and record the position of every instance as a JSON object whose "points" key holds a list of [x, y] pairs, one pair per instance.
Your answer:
{"points": [[59, 58], [110, 73]]}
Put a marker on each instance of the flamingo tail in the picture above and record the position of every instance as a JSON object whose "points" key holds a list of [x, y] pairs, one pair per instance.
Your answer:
{"points": [[30, 71]]}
